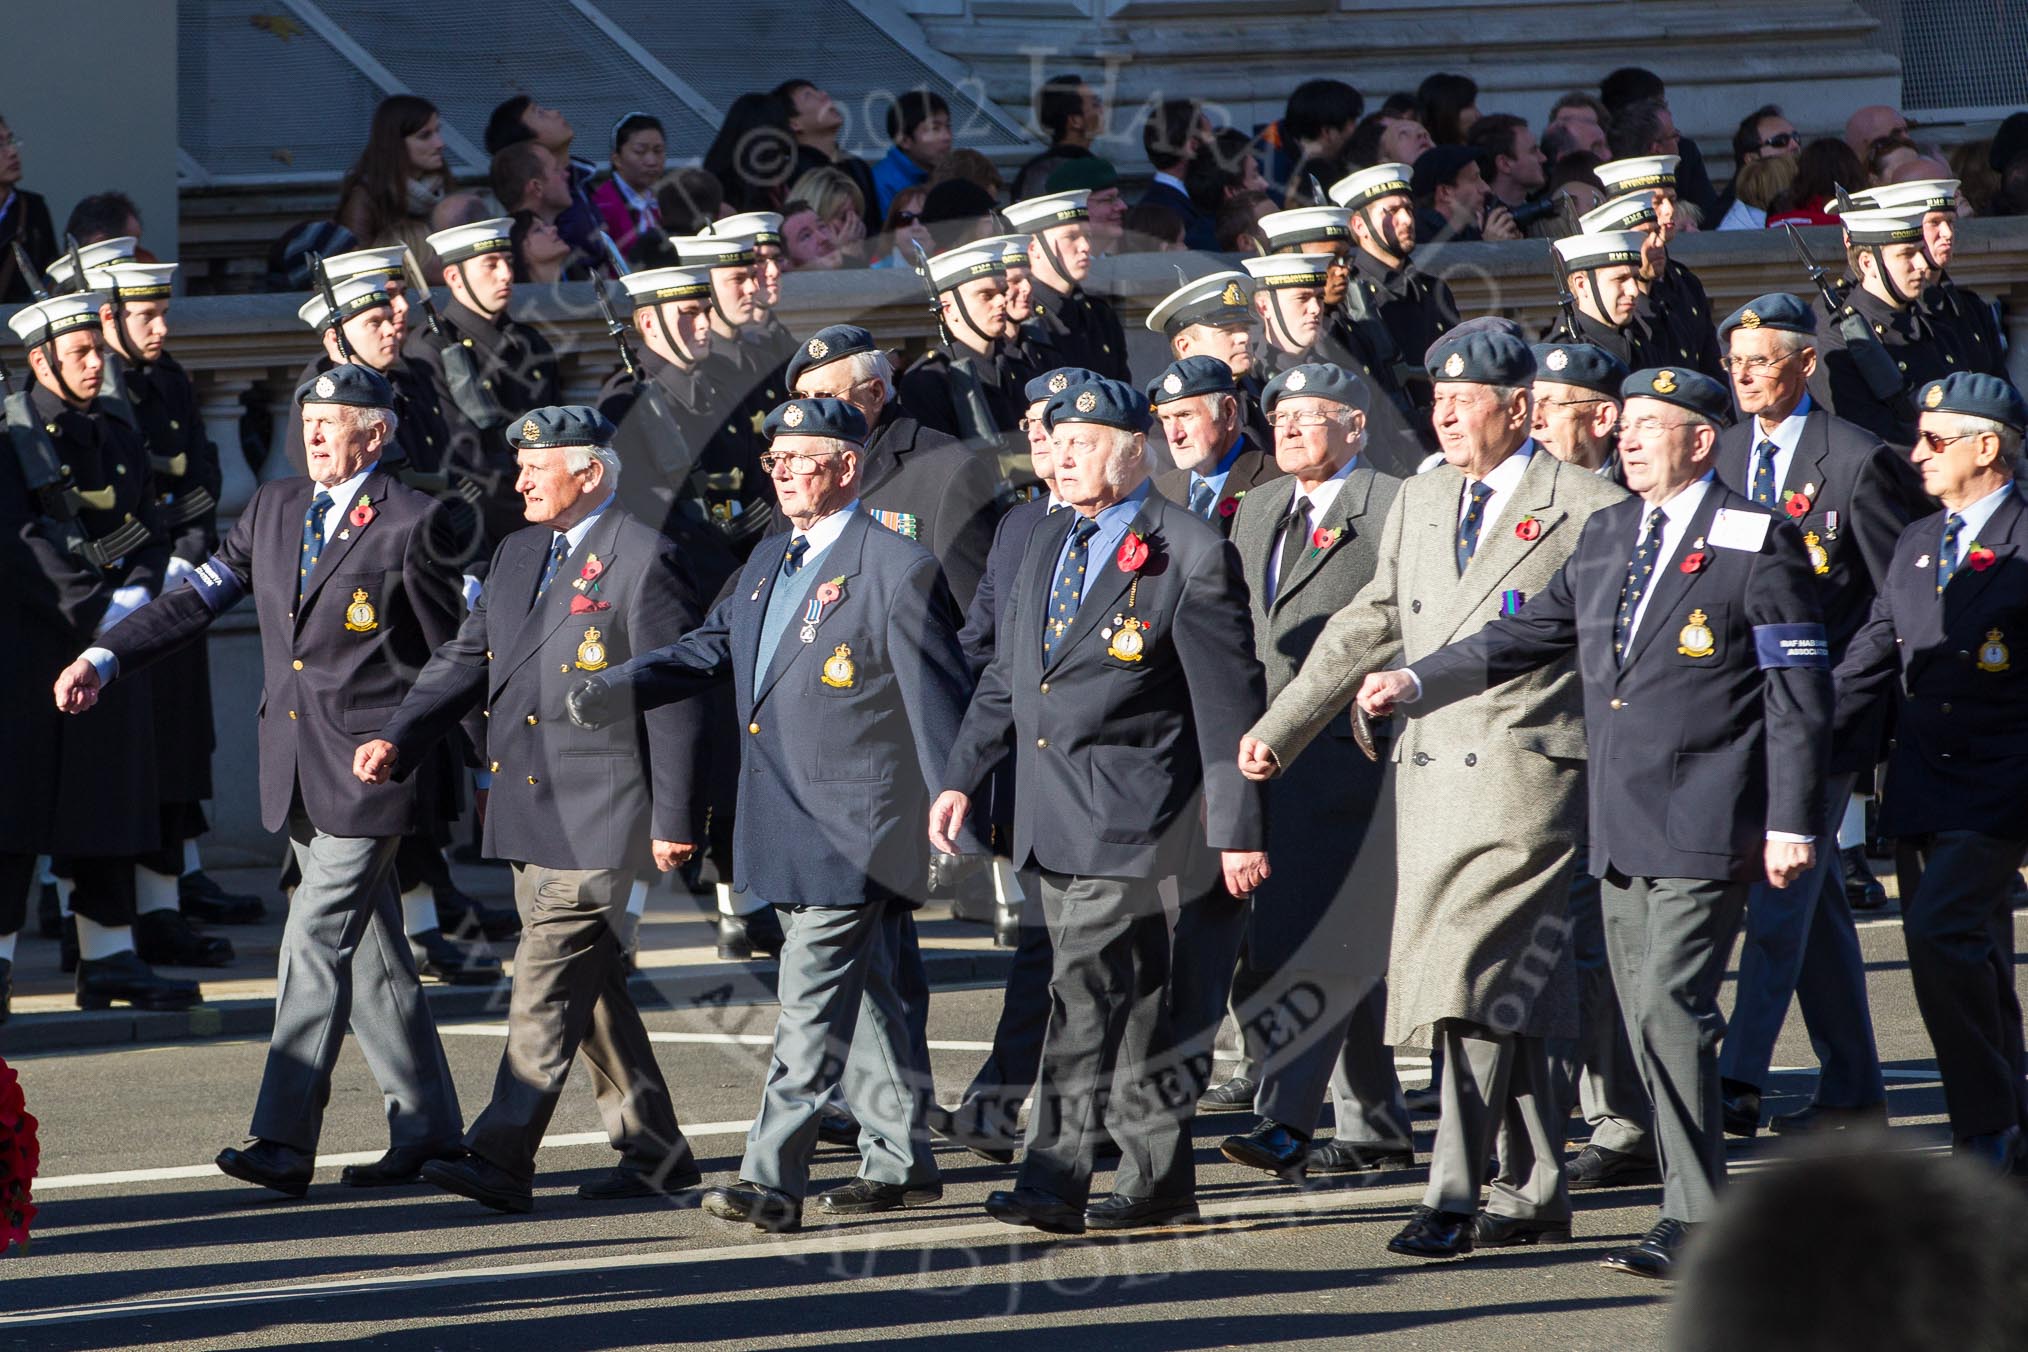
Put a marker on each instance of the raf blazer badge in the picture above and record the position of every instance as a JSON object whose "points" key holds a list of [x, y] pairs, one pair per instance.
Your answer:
{"points": [[839, 673], [1819, 559], [1993, 653], [359, 616], [1126, 643], [591, 654], [1695, 638]]}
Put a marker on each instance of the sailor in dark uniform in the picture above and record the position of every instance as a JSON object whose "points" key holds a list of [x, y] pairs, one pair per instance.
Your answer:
{"points": [[970, 283], [746, 382], [1214, 317], [1399, 309], [1970, 317], [1078, 327], [1605, 284], [1675, 308], [771, 340]]}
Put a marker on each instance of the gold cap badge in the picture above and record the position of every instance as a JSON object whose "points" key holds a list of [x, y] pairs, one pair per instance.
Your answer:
{"points": [[1665, 382], [1749, 320], [1087, 401], [530, 431], [1058, 383], [1232, 295], [1934, 397]]}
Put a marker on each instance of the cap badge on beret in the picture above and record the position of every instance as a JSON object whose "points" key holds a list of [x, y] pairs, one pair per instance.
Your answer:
{"points": [[1297, 380], [1455, 366], [1231, 295], [1557, 360], [792, 416], [1173, 383], [1748, 319], [1934, 397], [325, 387], [530, 430], [1665, 382], [818, 348], [1087, 401], [1058, 383]]}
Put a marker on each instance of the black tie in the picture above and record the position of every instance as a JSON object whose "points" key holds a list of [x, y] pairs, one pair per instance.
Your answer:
{"points": [[1295, 535], [1639, 571]]}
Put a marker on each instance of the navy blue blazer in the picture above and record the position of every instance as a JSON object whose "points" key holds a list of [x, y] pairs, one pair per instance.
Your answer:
{"points": [[1696, 749], [1958, 661], [844, 735], [1200, 232], [1003, 562]]}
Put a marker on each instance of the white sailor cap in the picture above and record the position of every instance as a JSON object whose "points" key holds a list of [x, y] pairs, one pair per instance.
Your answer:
{"points": [[1282, 270], [385, 262], [134, 281], [1039, 213], [355, 295], [1221, 298], [43, 320], [714, 251], [1305, 225], [761, 227], [954, 267], [1013, 248], [658, 286], [461, 242], [1606, 249], [1931, 194], [94, 255], [1638, 173], [1629, 211], [1884, 225], [1370, 185]]}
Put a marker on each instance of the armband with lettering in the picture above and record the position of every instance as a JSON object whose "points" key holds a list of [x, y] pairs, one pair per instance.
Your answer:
{"points": [[217, 585], [1791, 645]]}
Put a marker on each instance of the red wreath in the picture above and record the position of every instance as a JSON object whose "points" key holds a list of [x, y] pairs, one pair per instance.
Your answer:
{"points": [[1528, 528], [1132, 555], [1798, 506], [20, 1156], [363, 513], [1694, 563], [1980, 558], [580, 605]]}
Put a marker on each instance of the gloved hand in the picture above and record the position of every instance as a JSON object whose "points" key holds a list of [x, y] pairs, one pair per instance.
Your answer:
{"points": [[591, 704]]}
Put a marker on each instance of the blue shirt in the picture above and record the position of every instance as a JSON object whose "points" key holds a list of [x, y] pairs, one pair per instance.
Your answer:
{"points": [[1217, 477], [895, 172], [1112, 526], [1786, 436], [1976, 517]]}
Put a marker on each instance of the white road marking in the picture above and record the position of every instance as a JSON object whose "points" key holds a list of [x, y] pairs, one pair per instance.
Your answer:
{"points": [[723, 1039]]}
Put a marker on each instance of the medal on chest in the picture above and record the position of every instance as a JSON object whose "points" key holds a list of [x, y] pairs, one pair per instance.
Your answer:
{"points": [[591, 654], [359, 616], [1993, 654], [1695, 638], [827, 595], [1127, 639]]}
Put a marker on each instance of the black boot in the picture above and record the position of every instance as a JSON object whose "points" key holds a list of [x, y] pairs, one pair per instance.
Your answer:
{"points": [[165, 938], [466, 917], [451, 962], [66, 949], [1006, 924], [1863, 891], [48, 913], [6, 989], [757, 935], [200, 898], [125, 979]]}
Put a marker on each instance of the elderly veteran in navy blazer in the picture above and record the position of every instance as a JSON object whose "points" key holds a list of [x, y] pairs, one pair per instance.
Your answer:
{"points": [[351, 602], [1217, 459], [1124, 673], [841, 644], [577, 814], [1851, 497], [1700, 642], [1943, 636]]}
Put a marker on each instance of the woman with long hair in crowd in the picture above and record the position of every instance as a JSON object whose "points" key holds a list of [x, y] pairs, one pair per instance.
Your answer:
{"points": [[903, 229], [754, 153], [625, 193], [388, 193], [840, 205]]}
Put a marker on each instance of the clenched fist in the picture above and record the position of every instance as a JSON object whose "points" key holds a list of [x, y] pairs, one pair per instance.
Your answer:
{"points": [[591, 704]]}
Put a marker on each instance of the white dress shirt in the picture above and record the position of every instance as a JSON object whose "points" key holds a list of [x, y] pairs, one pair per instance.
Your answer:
{"points": [[824, 532], [1676, 514], [1503, 479], [1320, 499]]}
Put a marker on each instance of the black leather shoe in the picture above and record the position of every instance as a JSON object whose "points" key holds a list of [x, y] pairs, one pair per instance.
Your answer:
{"points": [[125, 979], [453, 963], [468, 918], [6, 989], [863, 1195], [1117, 1211], [1598, 1167], [741, 937], [1742, 1109], [200, 898], [1347, 1157], [1036, 1209], [485, 1183], [66, 947], [2001, 1151], [1233, 1096], [400, 1165], [1271, 1148], [48, 912], [1424, 1102], [1006, 925], [1504, 1232], [1863, 891], [838, 1130], [270, 1164], [623, 1181], [768, 1209], [1655, 1255], [1434, 1234], [1818, 1117], [166, 939], [992, 1149]]}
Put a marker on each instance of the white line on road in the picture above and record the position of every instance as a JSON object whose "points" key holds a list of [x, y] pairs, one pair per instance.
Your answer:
{"points": [[728, 1039]]}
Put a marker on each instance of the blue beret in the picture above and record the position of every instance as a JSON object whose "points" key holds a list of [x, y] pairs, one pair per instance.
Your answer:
{"points": [[828, 345], [561, 425], [1585, 365], [1188, 376], [359, 386], [1316, 380], [1776, 310], [1486, 355], [1113, 403], [1057, 381], [832, 418], [1686, 389], [1975, 395]]}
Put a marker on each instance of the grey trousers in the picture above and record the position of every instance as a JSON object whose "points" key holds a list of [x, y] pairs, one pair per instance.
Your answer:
{"points": [[345, 960], [1343, 1048], [991, 1104], [1800, 941], [843, 1025], [1107, 1056], [1596, 1070], [1669, 940], [570, 996], [1499, 1096]]}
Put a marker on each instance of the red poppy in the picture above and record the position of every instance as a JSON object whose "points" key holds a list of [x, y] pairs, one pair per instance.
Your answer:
{"points": [[829, 592], [1798, 506], [1528, 528], [1694, 563], [1323, 539], [1133, 554], [1228, 506], [581, 604], [361, 514], [592, 569], [1979, 558]]}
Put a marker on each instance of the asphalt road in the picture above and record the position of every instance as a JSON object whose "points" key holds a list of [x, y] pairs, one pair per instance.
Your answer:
{"points": [[183, 1257]]}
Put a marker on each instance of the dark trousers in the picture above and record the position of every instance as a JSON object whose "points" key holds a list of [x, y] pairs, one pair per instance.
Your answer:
{"points": [[1207, 965], [17, 880], [102, 889], [1596, 1070], [1960, 933], [1108, 1025], [992, 1102]]}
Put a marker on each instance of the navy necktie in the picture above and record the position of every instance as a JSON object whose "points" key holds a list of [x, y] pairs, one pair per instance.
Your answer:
{"points": [[1069, 589], [313, 542], [1763, 492], [1203, 497], [1639, 571], [1475, 517], [793, 560], [558, 552], [1947, 557]]}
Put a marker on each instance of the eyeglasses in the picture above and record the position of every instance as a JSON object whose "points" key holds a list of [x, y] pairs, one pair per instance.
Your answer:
{"points": [[9, 140], [1936, 443], [1754, 366], [1286, 422], [1641, 427], [1568, 403], [1781, 140], [799, 462]]}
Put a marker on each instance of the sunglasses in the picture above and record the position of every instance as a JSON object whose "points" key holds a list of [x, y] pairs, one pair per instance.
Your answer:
{"points": [[1781, 140], [907, 217]]}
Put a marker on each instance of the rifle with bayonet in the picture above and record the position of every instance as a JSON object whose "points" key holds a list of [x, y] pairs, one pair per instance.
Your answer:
{"points": [[1876, 367]]}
